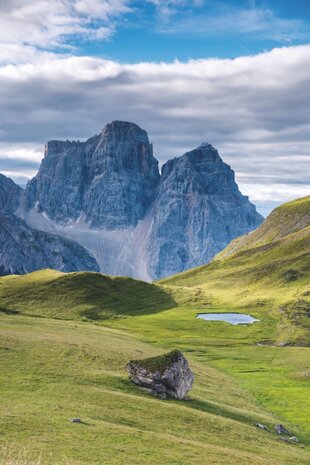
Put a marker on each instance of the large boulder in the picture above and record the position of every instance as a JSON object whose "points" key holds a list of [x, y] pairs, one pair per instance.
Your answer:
{"points": [[167, 376]]}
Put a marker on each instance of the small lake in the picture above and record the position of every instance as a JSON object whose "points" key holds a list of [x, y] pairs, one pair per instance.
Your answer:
{"points": [[232, 318]]}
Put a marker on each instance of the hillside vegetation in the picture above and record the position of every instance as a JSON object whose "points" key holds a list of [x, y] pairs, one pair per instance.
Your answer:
{"points": [[70, 296], [65, 340], [268, 269]]}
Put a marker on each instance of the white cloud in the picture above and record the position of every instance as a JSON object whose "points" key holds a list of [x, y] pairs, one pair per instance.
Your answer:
{"points": [[49, 23], [222, 19], [254, 109]]}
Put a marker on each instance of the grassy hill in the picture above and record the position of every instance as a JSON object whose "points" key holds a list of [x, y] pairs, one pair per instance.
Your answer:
{"points": [[70, 296], [268, 269], [65, 340]]}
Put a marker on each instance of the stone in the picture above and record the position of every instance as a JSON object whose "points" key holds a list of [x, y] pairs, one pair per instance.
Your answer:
{"points": [[294, 439], [166, 376], [259, 425], [283, 344], [280, 429], [76, 420]]}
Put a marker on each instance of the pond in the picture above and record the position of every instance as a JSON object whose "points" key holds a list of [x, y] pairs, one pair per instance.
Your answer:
{"points": [[232, 318]]}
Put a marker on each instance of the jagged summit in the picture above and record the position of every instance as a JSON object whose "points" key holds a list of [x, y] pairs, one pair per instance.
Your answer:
{"points": [[205, 145], [110, 179], [199, 209], [107, 194], [118, 125]]}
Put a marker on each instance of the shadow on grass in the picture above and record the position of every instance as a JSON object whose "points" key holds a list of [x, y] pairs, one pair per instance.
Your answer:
{"points": [[220, 411], [115, 297], [8, 311]]}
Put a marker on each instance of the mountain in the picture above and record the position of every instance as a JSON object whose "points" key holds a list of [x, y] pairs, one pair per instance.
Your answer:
{"points": [[266, 269], [198, 210], [107, 195], [10, 194], [110, 179], [24, 249]]}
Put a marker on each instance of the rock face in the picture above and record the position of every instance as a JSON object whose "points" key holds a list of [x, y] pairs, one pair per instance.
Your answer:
{"points": [[10, 194], [198, 211], [110, 179], [23, 249], [107, 195], [167, 376]]}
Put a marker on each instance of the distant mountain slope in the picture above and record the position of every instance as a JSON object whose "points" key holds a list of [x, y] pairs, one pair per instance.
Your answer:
{"points": [[268, 267], [284, 220], [24, 249], [108, 195], [10, 194]]}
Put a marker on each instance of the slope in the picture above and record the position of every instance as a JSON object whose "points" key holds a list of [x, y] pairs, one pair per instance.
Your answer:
{"points": [[56, 370], [268, 269], [87, 295]]}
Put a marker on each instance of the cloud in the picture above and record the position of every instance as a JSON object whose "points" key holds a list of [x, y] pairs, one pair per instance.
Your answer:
{"points": [[223, 19], [254, 109], [49, 24], [168, 8]]}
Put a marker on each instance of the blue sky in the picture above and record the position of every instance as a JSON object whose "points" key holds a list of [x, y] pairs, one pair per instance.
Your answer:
{"points": [[202, 29], [234, 73]]}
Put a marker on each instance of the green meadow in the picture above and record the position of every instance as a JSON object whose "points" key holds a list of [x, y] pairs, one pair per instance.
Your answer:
{"points": [[65, 340]]}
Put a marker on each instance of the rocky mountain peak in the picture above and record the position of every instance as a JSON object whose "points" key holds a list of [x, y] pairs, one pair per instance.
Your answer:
{"points": [[198, 209], [125, 130], [109, 180], [108, 195]]}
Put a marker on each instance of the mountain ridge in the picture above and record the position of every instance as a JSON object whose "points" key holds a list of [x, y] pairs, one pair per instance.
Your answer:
{"points": [[132, 219]]}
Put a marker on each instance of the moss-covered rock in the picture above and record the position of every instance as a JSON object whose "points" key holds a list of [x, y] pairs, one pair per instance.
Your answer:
{"points": [[166, 375]]}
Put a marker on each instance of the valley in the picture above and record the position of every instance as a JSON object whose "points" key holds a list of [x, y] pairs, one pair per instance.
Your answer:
{"points": [[66, 338]]}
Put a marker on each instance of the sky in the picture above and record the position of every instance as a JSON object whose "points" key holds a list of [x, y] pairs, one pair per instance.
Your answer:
{"points": [[234, 73]]}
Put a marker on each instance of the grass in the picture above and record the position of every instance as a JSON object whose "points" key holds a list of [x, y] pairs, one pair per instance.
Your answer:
{"points": [[70, 360], [54, 370], [159, 363], [267, 271], [50, 293]]}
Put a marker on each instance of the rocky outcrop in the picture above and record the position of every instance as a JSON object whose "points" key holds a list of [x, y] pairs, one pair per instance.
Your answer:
{"points": [[10, 195], [198, 211], [109, 180], [107, 195], [167, 376], [24, 249]]}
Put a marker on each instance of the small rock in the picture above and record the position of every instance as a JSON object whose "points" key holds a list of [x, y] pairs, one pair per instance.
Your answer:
{"points": [[283, 438], [259, 425], [76, 420], [280, 429], [283, 344], [294, 439], [167, 376]]}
